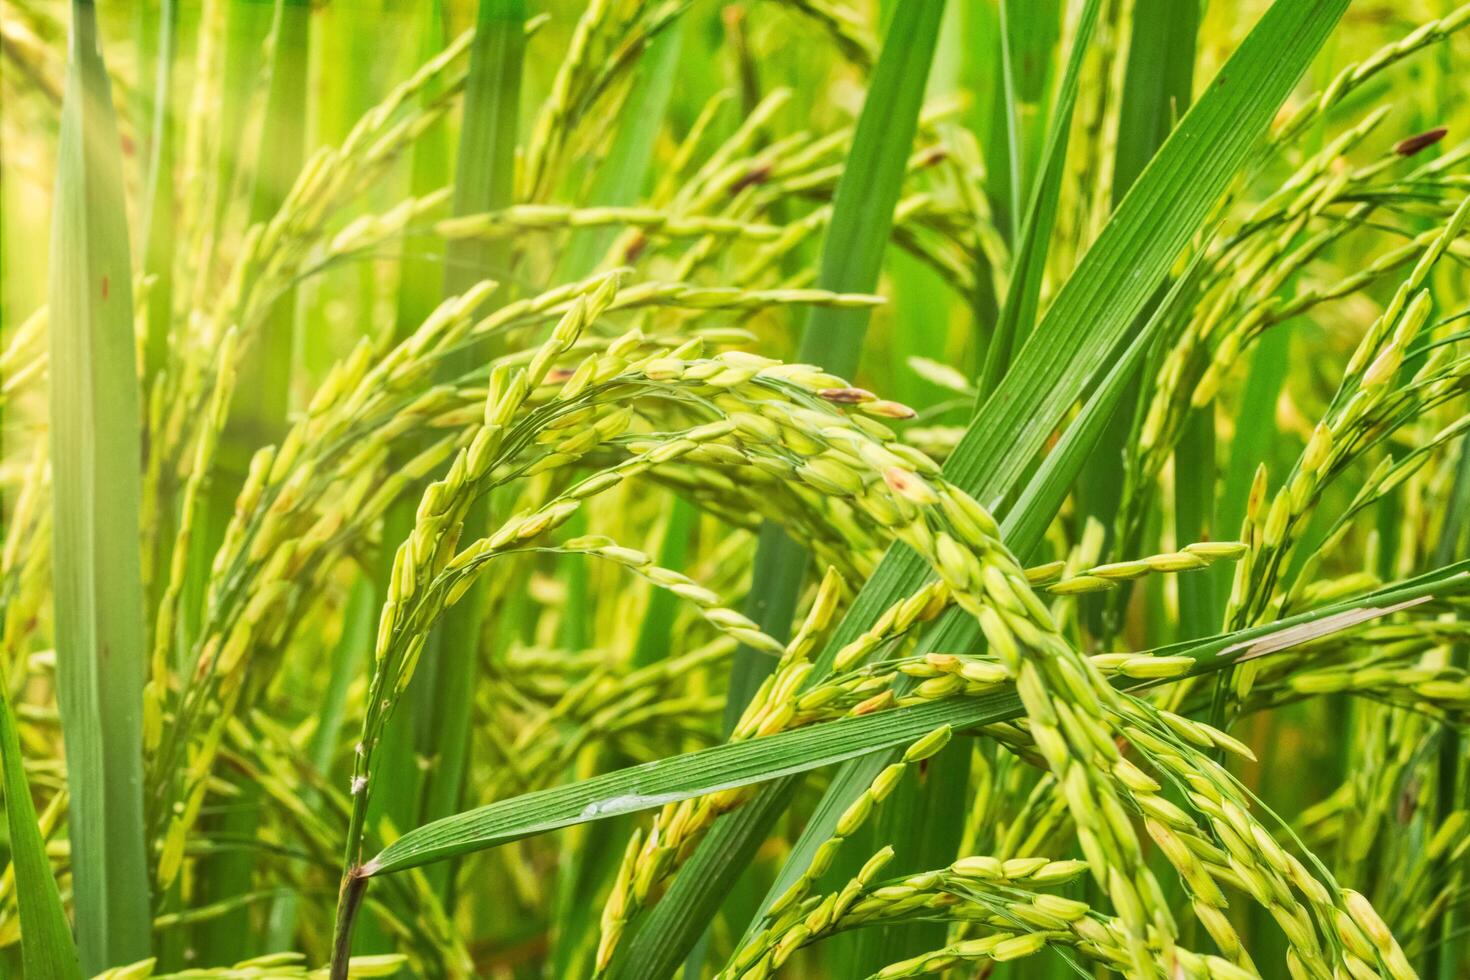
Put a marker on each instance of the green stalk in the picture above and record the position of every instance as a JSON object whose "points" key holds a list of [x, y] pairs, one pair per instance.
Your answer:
{"points": [[1156, 91], [920, 320], [1024, 39], [1157, 88], [1010, 110], [95, 449], [1440, 962], [588, 862], [358, 621], [1249, 448], [852, 255], [484, 181], [1023, 292], [1253, 438], [158, 229], [1157, 84], [852, 258], [258, 417], [936, 801], [485, 165], [420, 289], [247, 26], [777, 573], [1194, 498], [434, 721], [158, 240]]}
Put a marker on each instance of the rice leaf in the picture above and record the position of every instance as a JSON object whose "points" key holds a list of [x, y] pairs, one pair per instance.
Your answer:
{"points": [[1156, 91], [46, 946], [1439, 957], [1194, 491], [1251, 445], [947, 777], [735, 764], [485, 164], [1025, 39], [95, 448]]}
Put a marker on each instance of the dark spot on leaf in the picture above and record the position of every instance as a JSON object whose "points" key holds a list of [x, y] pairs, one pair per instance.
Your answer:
{"points": [[106, 286]]}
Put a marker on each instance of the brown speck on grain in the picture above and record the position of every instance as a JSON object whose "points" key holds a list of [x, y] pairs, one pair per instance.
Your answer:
{"points": [[847, 396], [1412, 145], [635, 248], [755, 175], [1408, 801]]}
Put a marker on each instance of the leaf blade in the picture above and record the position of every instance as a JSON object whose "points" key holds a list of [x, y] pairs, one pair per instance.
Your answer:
{"points": [[95, 448], [46, 945], [734, 764]]}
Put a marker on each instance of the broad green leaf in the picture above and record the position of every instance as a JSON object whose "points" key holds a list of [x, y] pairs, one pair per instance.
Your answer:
{"points": [[95, 449], [485, 164], [1440, 960], [1156, 90], [1194, 491], [1024, 40], [1157, 83], [484, 181], [1252, 443], [735, 764]]}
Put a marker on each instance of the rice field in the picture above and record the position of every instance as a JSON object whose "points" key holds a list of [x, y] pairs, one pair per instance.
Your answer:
{"points": [[630, 489]]}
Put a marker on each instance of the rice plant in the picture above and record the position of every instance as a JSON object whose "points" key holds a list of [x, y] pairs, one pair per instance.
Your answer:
{"points": [[813, 488]]}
